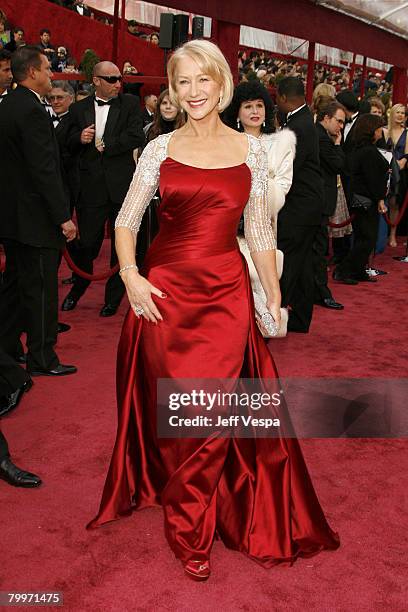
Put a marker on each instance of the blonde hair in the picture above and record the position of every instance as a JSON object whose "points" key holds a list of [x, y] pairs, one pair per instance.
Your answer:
{"points": [[393, 111], [211, 61], [323, 90]]}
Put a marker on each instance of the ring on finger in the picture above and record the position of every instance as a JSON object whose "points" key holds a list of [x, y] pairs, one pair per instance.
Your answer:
{"points": [[139, 310]]}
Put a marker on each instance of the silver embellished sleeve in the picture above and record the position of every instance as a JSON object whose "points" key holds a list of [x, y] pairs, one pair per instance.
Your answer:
{"points": [[143, 186], [258, 211]]}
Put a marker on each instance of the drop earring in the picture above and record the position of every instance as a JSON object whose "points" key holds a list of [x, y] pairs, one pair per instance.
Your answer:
{"points": [[263, 124], [238, 124]]}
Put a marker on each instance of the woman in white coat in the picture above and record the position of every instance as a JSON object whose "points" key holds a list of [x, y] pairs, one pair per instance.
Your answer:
{"points": [[251, 111]]}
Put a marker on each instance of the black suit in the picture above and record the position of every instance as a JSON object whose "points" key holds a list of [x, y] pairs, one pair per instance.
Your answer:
{"points": [[12, 377], [33, 206], [341, 246], [104, 181], [147, 117], [348, 147], [69, 162], [298, 221], [332, 160]]}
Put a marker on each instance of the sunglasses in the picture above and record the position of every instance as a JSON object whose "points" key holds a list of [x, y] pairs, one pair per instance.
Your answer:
{"points": [[110, 79]]}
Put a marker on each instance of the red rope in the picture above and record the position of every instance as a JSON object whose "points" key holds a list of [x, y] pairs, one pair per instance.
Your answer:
{"points": [[82, 274], [342, 224], [386, 217], [401, 213]]}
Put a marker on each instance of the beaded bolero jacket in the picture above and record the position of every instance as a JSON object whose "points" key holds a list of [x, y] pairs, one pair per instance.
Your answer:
{"points": [[258, 210]]}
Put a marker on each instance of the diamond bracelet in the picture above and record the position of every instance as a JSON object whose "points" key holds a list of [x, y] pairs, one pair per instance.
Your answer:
{"points": [[129, 267]]}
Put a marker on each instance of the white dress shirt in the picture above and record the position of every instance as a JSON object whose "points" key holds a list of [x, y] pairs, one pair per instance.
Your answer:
{"points": [[290, 113], [3, 95], [101, 117], [55, 120], [348, 126]]}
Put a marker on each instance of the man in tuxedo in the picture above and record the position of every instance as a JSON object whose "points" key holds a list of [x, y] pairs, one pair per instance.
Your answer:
{"points": [[301, 216], [6, 76], [349, 101], [150, 106], [351, 104], [34, 217], [104, 131], [61, 97], [329, 124]]}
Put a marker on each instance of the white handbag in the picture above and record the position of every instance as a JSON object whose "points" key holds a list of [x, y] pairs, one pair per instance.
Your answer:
{"points": [[259, 294]]}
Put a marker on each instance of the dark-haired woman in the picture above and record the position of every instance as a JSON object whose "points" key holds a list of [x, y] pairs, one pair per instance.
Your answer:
{"points": [[251, 111], [369, 175], [167, 118]]}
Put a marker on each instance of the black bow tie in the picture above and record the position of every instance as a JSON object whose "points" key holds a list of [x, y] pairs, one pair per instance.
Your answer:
{"points": [[56, 118], [103, 103]]}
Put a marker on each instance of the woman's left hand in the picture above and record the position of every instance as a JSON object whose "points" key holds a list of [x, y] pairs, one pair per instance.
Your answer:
{"points": [[274, 306]]}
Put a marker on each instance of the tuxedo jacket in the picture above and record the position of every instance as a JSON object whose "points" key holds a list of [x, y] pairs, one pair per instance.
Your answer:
{"points": [[348, 147], [33, 202], [304, 201], [69, 162], [332, 160], [147, 117], [106, 176]]}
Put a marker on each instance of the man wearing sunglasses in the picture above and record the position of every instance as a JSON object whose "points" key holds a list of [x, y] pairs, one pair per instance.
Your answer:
{"points": [[104, 130]]}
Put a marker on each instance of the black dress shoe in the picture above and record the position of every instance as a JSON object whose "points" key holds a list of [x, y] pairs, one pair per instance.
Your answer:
{"points": [[330, 303], [108, 310], [69, 303], [63, 327], [17, 477], [9, 402], [366, 279], [346, 280], [59, 370], [68, 281]]}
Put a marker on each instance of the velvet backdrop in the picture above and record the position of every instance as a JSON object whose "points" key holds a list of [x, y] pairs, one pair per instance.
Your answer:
{"points": [[79, 33]]}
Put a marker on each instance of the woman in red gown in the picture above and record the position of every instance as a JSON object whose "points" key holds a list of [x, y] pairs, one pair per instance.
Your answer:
{"points": [[192, 316]]}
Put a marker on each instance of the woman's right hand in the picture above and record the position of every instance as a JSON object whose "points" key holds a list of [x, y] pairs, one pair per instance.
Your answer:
{"points": [[382, 207], [140, 292]]}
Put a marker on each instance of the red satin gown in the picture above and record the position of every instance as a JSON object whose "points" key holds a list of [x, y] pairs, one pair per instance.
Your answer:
{"points": [[255, 493]]}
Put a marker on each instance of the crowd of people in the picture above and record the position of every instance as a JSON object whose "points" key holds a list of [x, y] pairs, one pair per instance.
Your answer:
{"points": [[269, 69], [341, 163]]}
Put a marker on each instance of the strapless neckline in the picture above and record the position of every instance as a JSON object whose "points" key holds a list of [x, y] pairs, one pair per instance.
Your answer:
{"points": [[201, 168]]}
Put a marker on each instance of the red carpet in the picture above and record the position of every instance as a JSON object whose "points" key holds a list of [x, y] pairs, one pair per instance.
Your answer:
{"points": [[64, 431]]}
